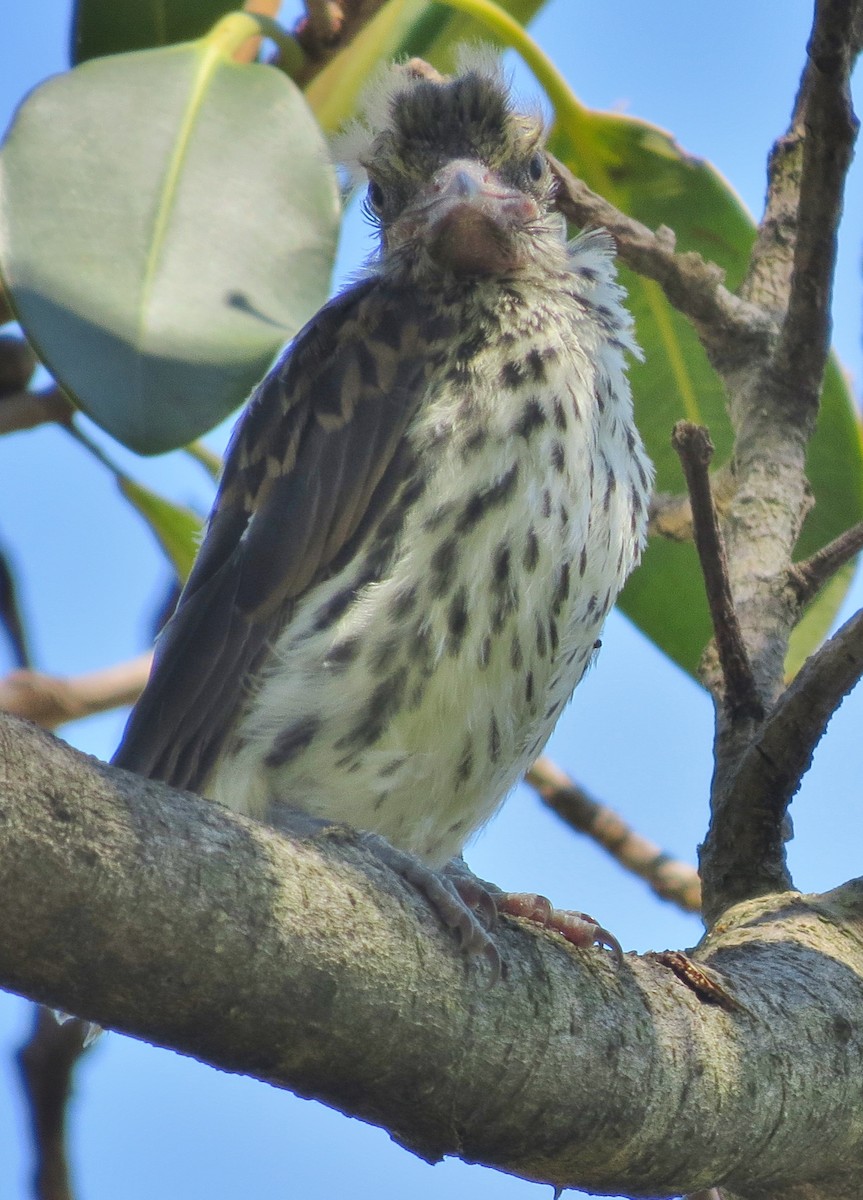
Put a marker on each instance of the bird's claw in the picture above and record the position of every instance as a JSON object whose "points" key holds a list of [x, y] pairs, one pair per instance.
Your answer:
{"points": [[578, 928]]}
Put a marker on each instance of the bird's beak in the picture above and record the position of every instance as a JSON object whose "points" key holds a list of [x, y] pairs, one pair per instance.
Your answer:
{"points": [[467, 218]]}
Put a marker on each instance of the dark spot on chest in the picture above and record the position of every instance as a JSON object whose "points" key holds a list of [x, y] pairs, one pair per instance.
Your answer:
{"points": [[381, 659], [292, 740], [382, 705], [403, 603], [334, 608], [532, 418], [511, 375], [342, 653], [457, 621], [443, 564], [465, 762], [516, 656], [493, 739], [500, 566], [531, 550], [541, 638], [486, 499], [561, 590]]}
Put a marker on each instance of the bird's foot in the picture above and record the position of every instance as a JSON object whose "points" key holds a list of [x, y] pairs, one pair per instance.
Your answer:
{"points": [[462, 902], [578, 928], [489, 902]]}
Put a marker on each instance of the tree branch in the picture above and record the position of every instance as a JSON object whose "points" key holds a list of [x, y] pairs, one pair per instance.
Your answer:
{"points": [[669, 878], [773, 401], [809, 577], [828, 127], [726, 324], [51, 700], [749, 854], [46, 1063], [26, 410], [740, 696], [308, 965]]}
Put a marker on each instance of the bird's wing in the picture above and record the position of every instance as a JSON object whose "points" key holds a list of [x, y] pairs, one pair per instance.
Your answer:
{"points": [[310, 469]]}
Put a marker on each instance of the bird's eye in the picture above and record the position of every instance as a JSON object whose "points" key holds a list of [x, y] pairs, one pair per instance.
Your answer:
{"points": [[375, 196], [535, 167]]}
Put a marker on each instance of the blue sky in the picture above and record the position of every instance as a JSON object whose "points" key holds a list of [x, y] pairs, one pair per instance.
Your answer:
{"points": [[147, 1122]]}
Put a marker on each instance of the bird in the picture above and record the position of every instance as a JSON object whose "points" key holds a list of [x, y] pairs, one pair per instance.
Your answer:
{"points": [[426, 511]]}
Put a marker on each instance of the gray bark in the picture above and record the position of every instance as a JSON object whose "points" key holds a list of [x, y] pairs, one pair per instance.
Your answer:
{"points": [[310, 966]]}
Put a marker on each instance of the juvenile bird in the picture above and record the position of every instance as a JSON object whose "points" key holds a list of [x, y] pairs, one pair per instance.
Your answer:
{"points": [[427, 510]]}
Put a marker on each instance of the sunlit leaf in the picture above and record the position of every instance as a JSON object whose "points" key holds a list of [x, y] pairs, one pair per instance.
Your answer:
{"points": [[402, 29], [177, 529], [167, 220]]}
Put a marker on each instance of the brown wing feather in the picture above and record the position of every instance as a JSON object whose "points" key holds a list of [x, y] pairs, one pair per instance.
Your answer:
{"points": [[311, 467]]}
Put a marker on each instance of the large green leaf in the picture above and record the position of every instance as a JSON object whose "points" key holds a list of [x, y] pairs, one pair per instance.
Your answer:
{"points": [[102, 27], [642, 170], [167, 220]]}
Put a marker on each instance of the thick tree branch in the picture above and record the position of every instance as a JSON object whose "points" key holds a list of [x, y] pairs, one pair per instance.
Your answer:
{"points": [[308, 965], [773, 399], [739, 694], [669, 878]]}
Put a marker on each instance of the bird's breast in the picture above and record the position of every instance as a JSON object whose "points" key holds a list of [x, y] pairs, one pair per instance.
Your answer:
{"points": [[409, 703]]}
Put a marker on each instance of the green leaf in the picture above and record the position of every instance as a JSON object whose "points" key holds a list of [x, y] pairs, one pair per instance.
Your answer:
{"points": [[102, 27], [643, 172], [177, 528], [167, 220]]}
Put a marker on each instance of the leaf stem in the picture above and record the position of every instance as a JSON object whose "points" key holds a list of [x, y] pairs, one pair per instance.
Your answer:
{"points": [[512, 34]]}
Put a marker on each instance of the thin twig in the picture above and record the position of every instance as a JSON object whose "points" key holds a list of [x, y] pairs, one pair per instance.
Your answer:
{"points": [[46, 1063], [50, 700], [724, 322], [693, 445], [669, 878], [809, 577], [321, 27], [26, 410], [329, 27], [17, 364]]}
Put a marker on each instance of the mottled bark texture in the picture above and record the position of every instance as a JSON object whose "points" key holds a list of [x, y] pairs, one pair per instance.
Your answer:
{"points": [[309, 966]]}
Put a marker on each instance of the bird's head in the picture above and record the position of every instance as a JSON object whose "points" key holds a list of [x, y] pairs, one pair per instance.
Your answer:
{"points": [[458, 181]]}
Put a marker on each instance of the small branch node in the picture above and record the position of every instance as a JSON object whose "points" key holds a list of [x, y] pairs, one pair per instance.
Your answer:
{"points": [[808, 577]]}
